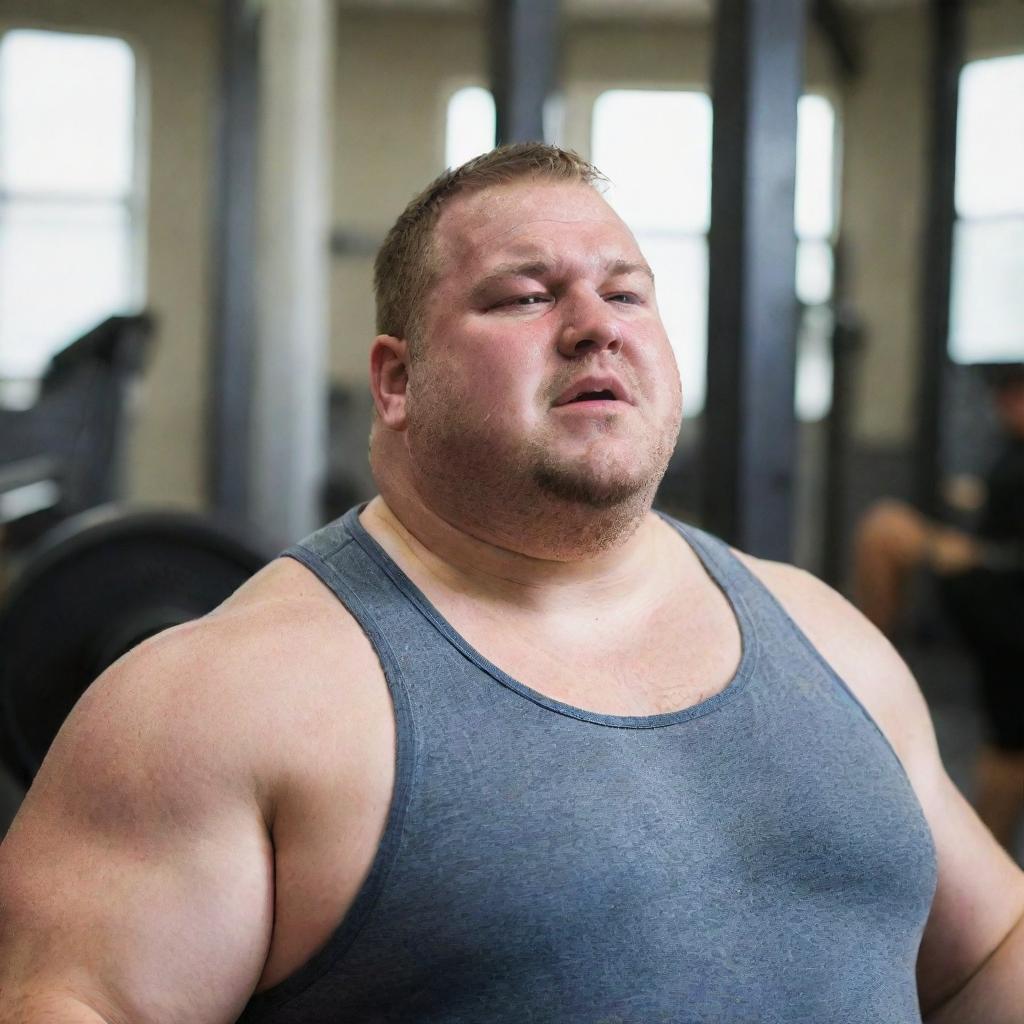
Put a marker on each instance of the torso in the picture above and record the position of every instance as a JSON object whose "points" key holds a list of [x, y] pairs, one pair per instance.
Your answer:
{"points": [[331, 807]]}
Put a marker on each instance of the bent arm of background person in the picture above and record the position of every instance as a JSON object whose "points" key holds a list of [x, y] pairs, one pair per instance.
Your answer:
{"points": [[136, 883], [970, 966]]}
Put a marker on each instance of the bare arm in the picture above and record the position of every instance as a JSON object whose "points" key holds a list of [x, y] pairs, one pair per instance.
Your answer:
{"points": [[971, 961], [136, 883], [994, 992]]}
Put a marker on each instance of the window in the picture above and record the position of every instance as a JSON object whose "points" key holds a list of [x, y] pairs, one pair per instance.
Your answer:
{"points": [[470, 125], [814, 220], [69, 200], [656, 148], [987, 301]]}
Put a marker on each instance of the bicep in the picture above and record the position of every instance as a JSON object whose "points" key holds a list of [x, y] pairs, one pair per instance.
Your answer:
{"points": [[979, 896], [138, 873]]}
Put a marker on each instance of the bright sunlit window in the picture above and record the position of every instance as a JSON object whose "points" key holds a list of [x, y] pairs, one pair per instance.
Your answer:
{"points": [[815, 222], [69, 200], [655, 146], [470, 125], [987, 306]]}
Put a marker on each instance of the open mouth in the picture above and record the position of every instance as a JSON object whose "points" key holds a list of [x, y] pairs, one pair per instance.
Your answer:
{"points": [[593, 396], [596, 388]]}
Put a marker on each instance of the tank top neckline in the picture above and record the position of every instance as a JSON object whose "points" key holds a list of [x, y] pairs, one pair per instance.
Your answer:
{"points": [[749, 642]]}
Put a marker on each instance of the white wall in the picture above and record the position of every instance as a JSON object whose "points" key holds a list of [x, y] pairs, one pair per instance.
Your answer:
{"points": [[885, 180]]}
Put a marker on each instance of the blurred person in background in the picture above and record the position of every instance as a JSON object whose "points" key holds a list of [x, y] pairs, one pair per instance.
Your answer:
{"points": [[980, 577]]}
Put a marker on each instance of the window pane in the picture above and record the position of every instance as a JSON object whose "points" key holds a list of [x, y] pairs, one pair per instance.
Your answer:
{"points": [[66, 113], [63, 268], [814, 364], [813, 272], [990, 138], [680, 268], [656, 149], [470, 128], [815, 186], [987, 310]]}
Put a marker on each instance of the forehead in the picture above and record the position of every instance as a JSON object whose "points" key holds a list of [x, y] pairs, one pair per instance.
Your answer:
{"points": [[550, 219]]}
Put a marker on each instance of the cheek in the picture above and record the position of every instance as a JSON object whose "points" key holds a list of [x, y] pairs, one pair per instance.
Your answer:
{"points": [[507, 377]]}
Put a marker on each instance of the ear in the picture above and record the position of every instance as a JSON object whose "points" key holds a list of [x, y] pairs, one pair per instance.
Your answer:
{"points": [[389, 379]]}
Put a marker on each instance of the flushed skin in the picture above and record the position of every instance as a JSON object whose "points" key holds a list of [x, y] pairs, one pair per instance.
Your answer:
{"points": [[212, 806]]}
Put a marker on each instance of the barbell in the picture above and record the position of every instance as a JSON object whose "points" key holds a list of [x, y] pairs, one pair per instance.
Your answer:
{"points": [[97, 585]]}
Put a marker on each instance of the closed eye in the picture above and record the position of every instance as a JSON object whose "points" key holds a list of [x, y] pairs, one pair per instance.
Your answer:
{"points": [[518, 301]]}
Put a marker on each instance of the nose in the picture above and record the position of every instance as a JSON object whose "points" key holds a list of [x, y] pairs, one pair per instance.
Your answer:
{"points": [[590, 326]]}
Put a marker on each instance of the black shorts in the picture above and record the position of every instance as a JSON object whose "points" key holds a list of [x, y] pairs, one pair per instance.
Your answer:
{"points": [[988, 609]]}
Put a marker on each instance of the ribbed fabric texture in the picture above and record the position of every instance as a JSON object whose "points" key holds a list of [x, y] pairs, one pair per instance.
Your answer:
{"points": [[759, 857]]}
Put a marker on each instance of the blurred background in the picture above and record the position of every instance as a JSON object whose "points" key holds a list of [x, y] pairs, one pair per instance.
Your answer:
{"points": [[192, 193]]}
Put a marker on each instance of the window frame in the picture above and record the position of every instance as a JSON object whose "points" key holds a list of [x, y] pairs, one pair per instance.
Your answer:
{"points": [[134, 202], [1016, 216]]}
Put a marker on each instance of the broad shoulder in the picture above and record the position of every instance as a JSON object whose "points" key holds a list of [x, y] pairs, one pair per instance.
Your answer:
{"points": [[244, 695], [142, 859], [858, 653], [281, 638]]}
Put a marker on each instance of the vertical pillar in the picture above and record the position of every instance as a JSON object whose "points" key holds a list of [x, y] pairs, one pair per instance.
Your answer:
{"points": [[231, 350], [749, 424], [946, 31], [524, 44], [288, 454]]}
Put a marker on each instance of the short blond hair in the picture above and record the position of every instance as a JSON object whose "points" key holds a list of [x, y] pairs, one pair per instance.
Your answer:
{"points": [[405, 268]]}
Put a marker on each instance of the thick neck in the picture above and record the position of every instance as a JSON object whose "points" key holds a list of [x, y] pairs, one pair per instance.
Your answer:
{"points": [[487, 567], [501, 510]]}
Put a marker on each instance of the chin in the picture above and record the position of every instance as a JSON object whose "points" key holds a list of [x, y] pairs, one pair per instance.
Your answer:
{"points": [[617, 476], [583, 486]]}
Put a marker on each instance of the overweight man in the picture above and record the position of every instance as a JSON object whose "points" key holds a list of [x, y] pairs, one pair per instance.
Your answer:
{"points": [[505, 745]]}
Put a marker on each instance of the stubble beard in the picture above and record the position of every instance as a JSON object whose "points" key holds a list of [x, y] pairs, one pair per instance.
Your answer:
{"points": [[525, 494]]}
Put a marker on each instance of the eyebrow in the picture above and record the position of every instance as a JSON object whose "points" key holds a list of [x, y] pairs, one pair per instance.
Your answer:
{"points": [[541, 268]]}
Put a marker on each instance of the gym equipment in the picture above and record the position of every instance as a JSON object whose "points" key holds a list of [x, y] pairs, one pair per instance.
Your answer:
{"points": [[64, 453], [97, 585]]}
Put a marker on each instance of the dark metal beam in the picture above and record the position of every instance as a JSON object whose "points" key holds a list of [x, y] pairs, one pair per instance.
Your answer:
{"points": [[749, 424], [946, 24], [834, 24], [847, 347], [524, 46], [234, 240]]}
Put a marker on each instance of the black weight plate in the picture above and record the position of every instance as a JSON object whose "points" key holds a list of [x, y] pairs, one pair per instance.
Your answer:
{"points": [[99, 584]]}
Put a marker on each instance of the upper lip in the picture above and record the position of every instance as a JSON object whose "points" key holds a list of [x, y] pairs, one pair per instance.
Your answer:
{"points": [[594, 382]]}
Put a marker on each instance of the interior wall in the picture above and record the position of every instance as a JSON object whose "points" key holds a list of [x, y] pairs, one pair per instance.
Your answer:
{"points": [[393, 75], [176, 49], [884, 194], [994, 29], [883, 203]]}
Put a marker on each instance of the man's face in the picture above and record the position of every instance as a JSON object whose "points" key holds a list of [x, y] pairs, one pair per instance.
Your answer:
{"points": [[543, 361]]}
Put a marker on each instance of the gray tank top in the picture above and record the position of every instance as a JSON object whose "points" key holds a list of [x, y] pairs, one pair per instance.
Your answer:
{"points": [[759, 856]]}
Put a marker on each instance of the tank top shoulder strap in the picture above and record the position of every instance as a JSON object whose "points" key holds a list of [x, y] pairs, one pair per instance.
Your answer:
{"points": [[775, 628], [783, 645], [366, 584]]}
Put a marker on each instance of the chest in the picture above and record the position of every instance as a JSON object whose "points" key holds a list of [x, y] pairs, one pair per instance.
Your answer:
{"points": [[728, 855], [664, 657]]}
